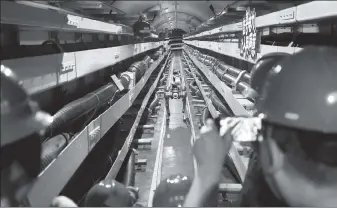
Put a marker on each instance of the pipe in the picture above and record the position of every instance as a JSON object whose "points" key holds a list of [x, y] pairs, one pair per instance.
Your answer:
{"points": [[156, 55], [194, 88], [188, 71], [246, 78], [130, 173], [81, 107], [162, 80], [209, 60], [232, 70], [229, 78], [125, 80], [205, 115], [242, 86], [154, 103], [95, 99], [52, 148], [147, 60], [138, 68], [220, 107]]}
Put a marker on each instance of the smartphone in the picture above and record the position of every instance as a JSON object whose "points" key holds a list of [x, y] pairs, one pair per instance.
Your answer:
{"points": [[246, 129]]}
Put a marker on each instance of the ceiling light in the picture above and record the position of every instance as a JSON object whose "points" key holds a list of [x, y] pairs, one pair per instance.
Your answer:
{"points": [[240, 8]]}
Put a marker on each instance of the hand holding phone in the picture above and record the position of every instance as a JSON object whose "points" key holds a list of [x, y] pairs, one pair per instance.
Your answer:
{"points": [[245, 130]]}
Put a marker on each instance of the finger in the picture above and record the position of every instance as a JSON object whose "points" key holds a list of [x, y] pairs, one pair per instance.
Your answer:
{"points": [[204, 129], [225, 130], [62, 201], [210, 123], [230, 128], [227, 127], [227, 121], [209, 126]]}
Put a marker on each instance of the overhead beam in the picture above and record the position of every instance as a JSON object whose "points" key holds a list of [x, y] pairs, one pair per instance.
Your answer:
{"points": [[116, 16], [187, 14], [180, 26], [178, 20]]}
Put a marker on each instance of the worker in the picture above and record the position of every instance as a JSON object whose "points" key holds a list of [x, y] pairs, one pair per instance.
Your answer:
{"points": [[22, 123], [298, 154], [254, 182], [110, 193], [171, 192], [141, 28], [176, 90], [297, 141]]}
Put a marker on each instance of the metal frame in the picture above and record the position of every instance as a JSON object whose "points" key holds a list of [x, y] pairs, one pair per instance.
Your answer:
{"points": [[190, 108], [125, 149], [58, 173], [221, 87], [53, 18], [156, 177], [232, 50], [40, 73], [233, 153], [314, 10]]}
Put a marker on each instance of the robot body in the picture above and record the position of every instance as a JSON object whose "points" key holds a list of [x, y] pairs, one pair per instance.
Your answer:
{"points": [[176, 90]]}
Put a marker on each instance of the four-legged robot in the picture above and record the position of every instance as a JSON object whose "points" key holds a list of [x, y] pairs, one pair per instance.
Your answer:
{"points": [[175, 90]]}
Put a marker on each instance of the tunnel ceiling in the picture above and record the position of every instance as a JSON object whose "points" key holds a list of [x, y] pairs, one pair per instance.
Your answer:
{"points": [[170, 14], [184, 15]]}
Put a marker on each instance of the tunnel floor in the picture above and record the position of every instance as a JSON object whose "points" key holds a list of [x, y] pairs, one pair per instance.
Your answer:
{"points": [[177, 151]]}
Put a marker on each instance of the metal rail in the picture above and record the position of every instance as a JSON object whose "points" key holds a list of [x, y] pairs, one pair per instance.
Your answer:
{"points": [[57, 174], [221, 87], [233, 153], [123, 152]]}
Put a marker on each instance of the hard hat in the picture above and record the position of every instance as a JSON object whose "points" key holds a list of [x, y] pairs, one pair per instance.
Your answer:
{"points": [[298, 105], [301, 91], [172, 191], [259, 72], [21, 123], [20, 117], [109, 193]]}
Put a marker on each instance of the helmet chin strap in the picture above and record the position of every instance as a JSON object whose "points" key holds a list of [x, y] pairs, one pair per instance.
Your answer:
{"points": [[271, 164], [288, 184]]}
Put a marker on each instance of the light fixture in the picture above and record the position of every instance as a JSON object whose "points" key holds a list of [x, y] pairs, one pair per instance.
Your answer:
{"points": [[240, 8], [169, 18]]}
